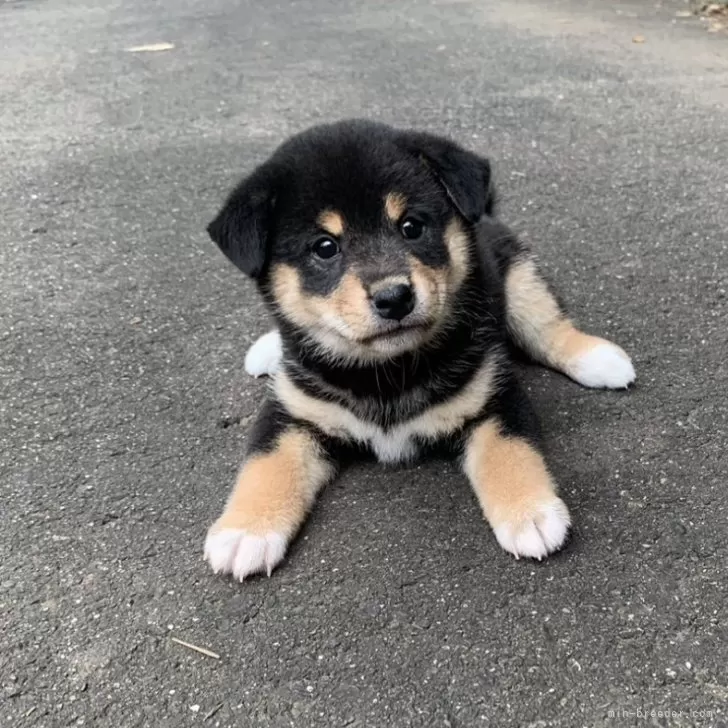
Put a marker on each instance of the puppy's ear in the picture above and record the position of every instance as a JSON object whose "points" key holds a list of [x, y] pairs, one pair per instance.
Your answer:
{"points": [[465, 176], [242, 227]]}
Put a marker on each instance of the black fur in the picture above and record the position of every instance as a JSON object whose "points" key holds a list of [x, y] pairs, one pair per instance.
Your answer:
{"points": [[464, 175], [242, 227], [273, 420]]}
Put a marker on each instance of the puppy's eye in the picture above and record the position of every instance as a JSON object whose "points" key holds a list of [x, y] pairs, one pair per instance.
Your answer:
{"points": [[325, 248], [412, 228]]}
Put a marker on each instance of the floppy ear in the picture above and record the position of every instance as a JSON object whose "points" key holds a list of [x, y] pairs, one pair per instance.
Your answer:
{"points": [[464, 175], [241, 228]]}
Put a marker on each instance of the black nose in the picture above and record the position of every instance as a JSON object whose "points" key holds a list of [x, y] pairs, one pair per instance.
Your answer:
{"points": [[394, 302]]}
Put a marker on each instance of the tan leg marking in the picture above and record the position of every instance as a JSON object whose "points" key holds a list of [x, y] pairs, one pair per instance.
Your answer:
{"points": [[268, 504], [275, 490], [516, 492], [395, 205], [550, 337], [331, 221]]}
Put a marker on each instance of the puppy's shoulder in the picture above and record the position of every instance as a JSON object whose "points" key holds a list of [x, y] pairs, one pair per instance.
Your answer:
{"points": [[498, 246]]}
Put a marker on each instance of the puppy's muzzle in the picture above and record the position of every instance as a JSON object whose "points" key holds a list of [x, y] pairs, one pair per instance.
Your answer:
{"points": [[394, 302]]}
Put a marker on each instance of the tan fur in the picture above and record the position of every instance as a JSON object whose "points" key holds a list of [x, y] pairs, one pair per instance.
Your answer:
{"points": [[348, 302], [332, 221], [508, 475], [274, 491], [538, 324], [431, 285], [287, 291], [442, 419], [395, 205], [457, 245]]}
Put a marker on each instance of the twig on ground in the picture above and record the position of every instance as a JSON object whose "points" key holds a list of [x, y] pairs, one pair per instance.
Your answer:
{"points": [[213, 711], [196, 648]]}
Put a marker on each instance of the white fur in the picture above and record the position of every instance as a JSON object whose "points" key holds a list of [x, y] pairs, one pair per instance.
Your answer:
{"points": [[234, 551], [264, 356], [604, 366], [396, 447], [537, 535]]}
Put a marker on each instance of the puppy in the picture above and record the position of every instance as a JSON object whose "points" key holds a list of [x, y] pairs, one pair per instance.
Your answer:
{"points": [[397, 295]]}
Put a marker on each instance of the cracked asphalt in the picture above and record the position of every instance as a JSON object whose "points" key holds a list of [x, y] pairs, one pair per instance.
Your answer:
{"points": [[124, 404]]}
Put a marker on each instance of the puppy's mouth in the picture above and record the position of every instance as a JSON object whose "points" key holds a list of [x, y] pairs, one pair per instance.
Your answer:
{"points": [[394, 333]]}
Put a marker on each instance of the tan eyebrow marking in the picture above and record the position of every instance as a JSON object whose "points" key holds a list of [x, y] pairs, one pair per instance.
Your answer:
{"points": [[395, 203], [331, 221]]}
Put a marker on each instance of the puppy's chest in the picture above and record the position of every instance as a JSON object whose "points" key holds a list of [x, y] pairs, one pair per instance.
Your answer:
{"points": [[396, 443], [361, 422]]}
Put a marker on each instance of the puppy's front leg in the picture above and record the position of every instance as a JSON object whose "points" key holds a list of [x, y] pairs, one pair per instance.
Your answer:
{"points": [[286, 467], [515, 490]]}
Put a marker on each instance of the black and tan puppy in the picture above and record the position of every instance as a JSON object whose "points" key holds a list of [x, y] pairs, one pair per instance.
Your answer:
{"points": [[396, 294]]}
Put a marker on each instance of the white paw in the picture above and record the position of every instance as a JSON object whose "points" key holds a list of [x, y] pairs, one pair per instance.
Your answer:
{"points": [[538, 535], [606, 365], [234, 551], [264, 356]]}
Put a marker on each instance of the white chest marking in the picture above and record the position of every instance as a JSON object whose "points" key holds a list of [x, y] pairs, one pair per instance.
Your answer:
{"points": [[398, 443]]}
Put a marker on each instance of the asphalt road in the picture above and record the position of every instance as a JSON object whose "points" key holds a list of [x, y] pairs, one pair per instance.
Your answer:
{"points": [[125, 405]]}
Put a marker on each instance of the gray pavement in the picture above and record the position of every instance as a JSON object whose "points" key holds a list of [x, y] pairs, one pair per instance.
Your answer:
{"points": [[125, 405]]}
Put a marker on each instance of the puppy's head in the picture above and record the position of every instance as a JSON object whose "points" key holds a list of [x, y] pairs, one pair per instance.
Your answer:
{"points": [[358, 234]]}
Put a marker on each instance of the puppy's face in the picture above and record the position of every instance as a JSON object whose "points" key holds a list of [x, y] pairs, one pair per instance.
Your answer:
{"points": [[363, 259], [358, 241]]}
